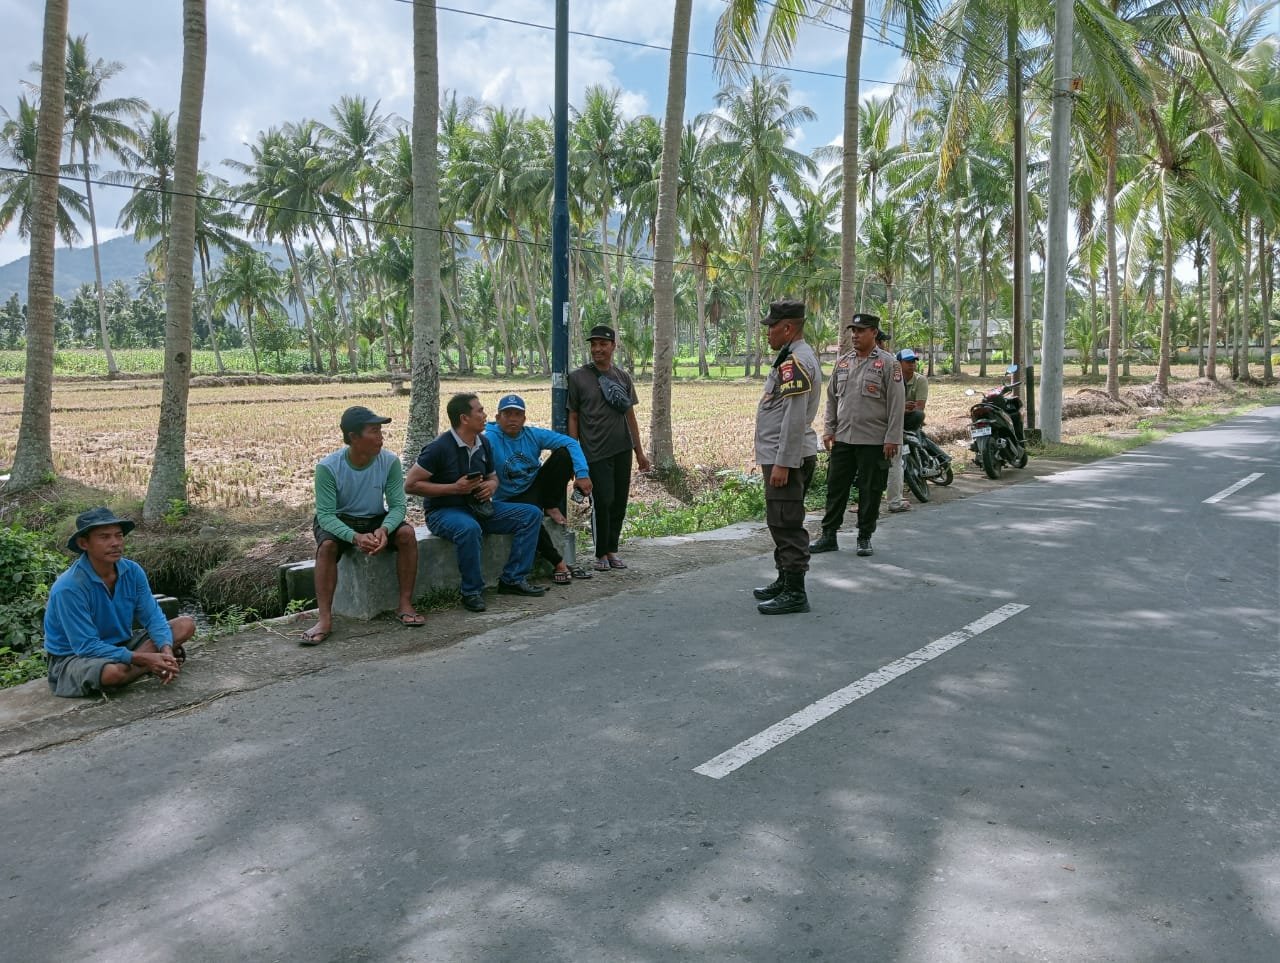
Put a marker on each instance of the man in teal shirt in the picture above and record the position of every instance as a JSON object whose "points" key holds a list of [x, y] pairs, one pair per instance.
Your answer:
{"points": [[360, 504]]}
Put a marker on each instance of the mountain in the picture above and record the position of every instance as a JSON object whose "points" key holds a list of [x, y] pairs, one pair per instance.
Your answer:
{"points": [[122, 258]]}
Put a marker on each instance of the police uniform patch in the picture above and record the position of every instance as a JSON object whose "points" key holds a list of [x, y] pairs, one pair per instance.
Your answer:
{"points": [[878, 364], [843, 364], [793, 379]]}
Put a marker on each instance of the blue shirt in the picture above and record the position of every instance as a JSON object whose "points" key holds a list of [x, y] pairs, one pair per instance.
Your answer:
{"points": [[83, 618], [518, 459]]}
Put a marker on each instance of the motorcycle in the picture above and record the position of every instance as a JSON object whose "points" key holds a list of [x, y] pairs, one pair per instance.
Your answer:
{"points": [[921, 466], [996, 429]]}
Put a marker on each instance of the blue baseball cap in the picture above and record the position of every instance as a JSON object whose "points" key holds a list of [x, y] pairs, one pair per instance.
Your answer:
{"points": [[511, 401], [906, 354]]}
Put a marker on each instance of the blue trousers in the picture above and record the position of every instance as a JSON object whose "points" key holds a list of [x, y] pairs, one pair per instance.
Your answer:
{"points": [[462, 528]]}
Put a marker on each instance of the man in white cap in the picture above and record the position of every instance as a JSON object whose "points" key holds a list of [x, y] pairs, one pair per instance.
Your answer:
{"points": [[89, 634]]}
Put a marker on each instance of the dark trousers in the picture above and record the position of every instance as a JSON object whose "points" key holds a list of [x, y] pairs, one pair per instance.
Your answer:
{"points": [[784, 514], [866, 465], [547, 491], [610, 488]]}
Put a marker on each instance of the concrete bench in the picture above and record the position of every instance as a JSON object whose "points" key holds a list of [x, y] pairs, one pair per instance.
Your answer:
{"points": [[367, 585]]}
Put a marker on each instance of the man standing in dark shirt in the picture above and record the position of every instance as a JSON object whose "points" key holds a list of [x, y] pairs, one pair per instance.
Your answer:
{"points": [[602, 400]]}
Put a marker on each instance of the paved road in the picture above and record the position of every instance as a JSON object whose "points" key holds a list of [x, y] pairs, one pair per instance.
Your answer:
{"points": [[1091, 778]]}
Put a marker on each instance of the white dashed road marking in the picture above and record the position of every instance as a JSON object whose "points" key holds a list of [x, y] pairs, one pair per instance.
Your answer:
{"points": [[1214, 499], [798, 722]]}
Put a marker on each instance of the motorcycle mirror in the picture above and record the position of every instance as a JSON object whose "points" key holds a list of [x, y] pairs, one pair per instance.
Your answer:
{"points": [[1011, 369]]}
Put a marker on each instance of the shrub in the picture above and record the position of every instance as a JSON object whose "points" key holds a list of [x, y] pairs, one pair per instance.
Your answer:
{"points": [[27, 569]]}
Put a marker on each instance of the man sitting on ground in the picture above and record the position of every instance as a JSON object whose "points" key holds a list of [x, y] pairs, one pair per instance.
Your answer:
{"points": [[517, 448], [89, 620], [360, 504], [456, 477]]}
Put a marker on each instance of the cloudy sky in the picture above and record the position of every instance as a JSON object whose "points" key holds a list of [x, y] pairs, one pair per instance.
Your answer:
{"points": [[285, 60]]}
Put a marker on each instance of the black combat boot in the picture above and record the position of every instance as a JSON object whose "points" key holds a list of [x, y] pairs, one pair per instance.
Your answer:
{"points": [[772, 590], [791, 599], [864, 545], [827, 543]]}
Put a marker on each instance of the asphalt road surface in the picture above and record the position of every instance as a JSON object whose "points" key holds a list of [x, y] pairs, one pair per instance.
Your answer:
{"points": [[1039, 724]]}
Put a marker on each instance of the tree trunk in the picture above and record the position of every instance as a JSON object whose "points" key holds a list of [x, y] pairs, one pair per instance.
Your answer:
{"points": [[1200, 307], [424, 401], [1055, 275], [982, 300], [1245, 300], [33, 456], [959, 325], [464, 363], [313, 347], [1166, 310], [1264, 292], [933, 302], [112, 370], [849, 171], [700, 291], [664, 290], [1211, 366], [169, 465], [208, 309], [1093, 321], [535, 324]]}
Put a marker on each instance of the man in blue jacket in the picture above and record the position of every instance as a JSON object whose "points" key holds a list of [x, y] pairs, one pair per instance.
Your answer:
{"points": [[89, 633], [524, 477]]}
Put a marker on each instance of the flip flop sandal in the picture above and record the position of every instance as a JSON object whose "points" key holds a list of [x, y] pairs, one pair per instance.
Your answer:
{"points": [[616, 563], [562, 578], [412, 619], [602, 565], [579, 572], [180, 652], [312, 637]]}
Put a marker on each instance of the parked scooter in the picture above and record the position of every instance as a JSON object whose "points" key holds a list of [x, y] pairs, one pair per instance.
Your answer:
{"points": [[921, 466], [996, 429]]}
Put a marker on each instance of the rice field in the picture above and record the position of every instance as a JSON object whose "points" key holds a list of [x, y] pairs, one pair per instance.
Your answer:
{"points": [[257, 446]]}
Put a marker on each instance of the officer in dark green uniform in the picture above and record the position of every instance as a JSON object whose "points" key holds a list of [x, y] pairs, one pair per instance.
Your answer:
{"points": [[786, 448]]}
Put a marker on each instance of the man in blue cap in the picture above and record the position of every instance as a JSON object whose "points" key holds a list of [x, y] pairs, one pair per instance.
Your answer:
{"points": [[524, 477], [89, 620]]}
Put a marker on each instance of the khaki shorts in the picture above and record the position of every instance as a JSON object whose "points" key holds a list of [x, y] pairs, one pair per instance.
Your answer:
{"points": [[76, 676]]}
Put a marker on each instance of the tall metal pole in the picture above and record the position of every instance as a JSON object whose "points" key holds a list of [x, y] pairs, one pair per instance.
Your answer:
{"points": [[560, 249], [560, 230]]}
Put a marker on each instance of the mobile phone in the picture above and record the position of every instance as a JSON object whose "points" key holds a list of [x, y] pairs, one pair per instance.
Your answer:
{"points": [[473, 475]]}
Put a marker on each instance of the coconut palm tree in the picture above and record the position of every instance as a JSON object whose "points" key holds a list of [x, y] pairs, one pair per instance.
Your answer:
{"points": [[33, 454], [354, 142], [666, 229], [248, 283], [95, 126], [752, 130], [700, 210], [18, 143], [597, 151], [168, 482]]}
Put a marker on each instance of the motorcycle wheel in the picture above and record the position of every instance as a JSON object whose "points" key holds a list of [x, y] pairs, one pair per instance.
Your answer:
{"points": [[948, 476], [915, 481], [989, 458]]}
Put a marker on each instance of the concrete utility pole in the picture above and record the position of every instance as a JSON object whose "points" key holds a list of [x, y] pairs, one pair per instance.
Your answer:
{"points": [[1055, 274]]}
